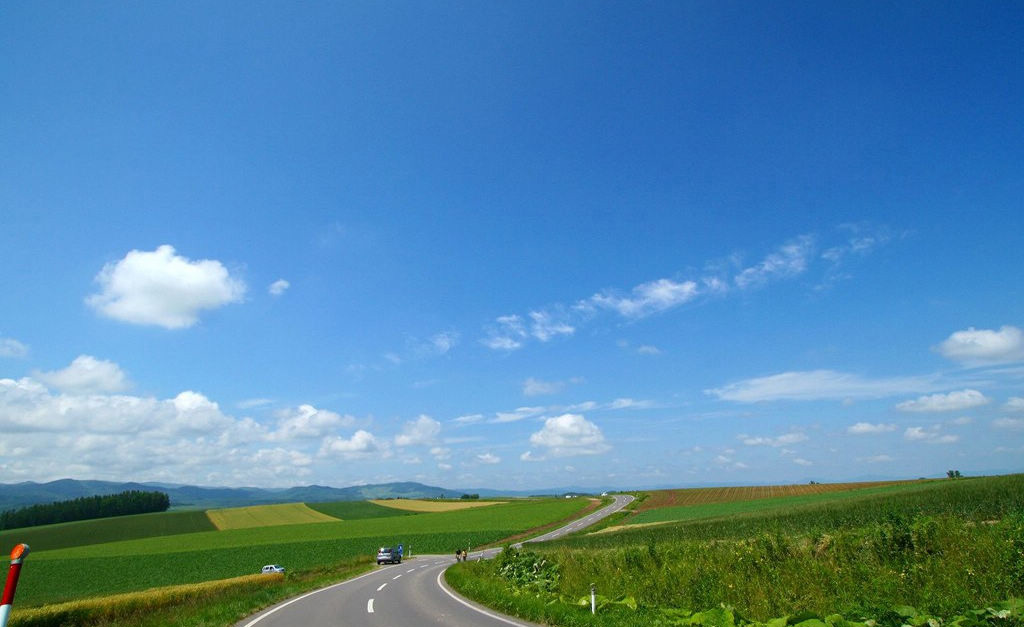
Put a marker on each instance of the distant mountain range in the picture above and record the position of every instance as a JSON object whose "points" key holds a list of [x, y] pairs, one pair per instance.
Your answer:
{"points": [[15, 495]]}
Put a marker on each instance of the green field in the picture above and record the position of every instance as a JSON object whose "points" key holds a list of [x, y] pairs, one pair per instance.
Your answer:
{"points": [[99, 569], [743, 506], [64, 535], [937, 549], [357, 510]]}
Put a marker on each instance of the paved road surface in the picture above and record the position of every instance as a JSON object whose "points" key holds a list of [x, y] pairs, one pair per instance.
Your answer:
{"points": [[410, 594]]}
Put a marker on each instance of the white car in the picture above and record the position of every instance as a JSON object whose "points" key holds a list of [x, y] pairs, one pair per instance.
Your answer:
{"points": [[272, 568]]}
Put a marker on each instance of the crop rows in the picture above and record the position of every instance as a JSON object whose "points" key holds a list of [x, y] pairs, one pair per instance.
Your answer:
{"points": [[659, 499]]}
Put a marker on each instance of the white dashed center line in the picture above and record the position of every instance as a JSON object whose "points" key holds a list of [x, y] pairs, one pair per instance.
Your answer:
{"points": [[369, 606], [381, 586], [395, 577]]}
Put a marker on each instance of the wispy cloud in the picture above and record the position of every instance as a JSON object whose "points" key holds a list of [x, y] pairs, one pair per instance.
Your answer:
{"points": [[278, 287], [782, 440], [791, 259], [10, 347], [866, 428], [818, 385]]}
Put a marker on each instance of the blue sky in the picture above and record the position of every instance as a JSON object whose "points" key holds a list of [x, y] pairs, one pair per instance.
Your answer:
{"points": [[510, 245]]}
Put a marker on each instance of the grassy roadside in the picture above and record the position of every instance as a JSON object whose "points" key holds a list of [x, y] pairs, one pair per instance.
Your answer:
{"points": [[942, 552], [210, 604]]}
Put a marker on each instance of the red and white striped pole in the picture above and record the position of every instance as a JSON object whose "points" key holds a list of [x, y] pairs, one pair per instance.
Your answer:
{"points": [[17, 557]]}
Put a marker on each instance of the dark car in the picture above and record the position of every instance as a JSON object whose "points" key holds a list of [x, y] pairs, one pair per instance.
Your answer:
{"points": [[389, 555]]}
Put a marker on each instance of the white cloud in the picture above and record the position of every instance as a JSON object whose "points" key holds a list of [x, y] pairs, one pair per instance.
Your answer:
{"points": [[441, 453], [782, 440], [308, 422], [488, 458], [647, 298], [629, 403], [865, 428], [788, 261], [468, 419], [953, 401], [278, 287], [420, 432], [86, 375], [878, 459], [536, 387], [802, 462], [507, 335], [547, 325], [930, 436], [529, 456], [520, 413], [984, 346], [568, 435], [10, 347], [647, 349], [162, 288], [251, 403], [817, 385], [442, 342], [1015, 403], [362, 445], [444, 466], [1009, 424]]}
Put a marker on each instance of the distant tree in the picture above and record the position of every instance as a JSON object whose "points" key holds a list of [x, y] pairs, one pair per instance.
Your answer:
{"points": [[86, 508], [953, 474], [470, 496]]}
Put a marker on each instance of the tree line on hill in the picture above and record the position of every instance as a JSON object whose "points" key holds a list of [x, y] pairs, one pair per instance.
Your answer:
{"points": [[86, 508]]}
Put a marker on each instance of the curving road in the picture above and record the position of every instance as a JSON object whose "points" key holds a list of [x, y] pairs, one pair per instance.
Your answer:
{"points": [[411, 593]]}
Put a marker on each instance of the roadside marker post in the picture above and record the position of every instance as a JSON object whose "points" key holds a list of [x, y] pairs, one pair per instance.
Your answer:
{"points": [[593, 599], [18, 555]]}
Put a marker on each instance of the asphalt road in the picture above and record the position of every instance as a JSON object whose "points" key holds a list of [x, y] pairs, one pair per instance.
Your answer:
{"points": [[410, 594]]}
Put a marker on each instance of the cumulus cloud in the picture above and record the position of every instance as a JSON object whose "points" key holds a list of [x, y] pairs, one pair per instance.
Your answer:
{"points": [[866, 428], [278, 287], [308, 422], [420, 432], [86, 375], [953, 401], [488, 458], [162, 288], [984, 346], [362, 445], [569, 435], [782, 440], [10, 347], [817, 385], [1015, 403]]}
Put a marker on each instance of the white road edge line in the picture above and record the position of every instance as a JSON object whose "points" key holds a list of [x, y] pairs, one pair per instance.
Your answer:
{"points": [[369, 606], [308, 594], [444, 587]]}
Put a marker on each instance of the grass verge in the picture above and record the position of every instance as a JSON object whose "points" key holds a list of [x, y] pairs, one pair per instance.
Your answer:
{"points": [[214, 603]]}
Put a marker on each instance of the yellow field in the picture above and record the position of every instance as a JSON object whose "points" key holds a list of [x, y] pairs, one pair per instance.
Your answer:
{"points": [[266, 516], [414, 505]]}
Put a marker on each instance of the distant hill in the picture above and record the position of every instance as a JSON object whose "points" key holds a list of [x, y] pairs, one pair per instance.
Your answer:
{"points": [[15, 495]]}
